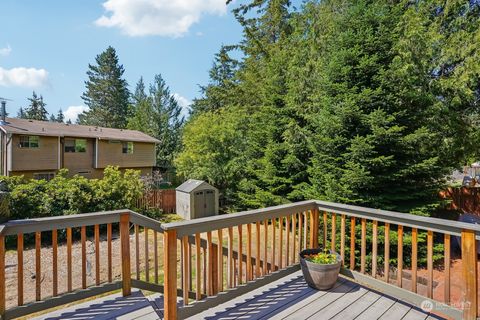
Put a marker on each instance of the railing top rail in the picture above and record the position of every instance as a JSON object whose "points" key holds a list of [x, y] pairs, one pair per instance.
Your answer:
{"points": [[404, 219], [75, 220], [185, 228]]}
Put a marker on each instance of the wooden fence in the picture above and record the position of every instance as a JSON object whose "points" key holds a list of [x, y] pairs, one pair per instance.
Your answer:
{"points": [[464, 199], [158, 199]]}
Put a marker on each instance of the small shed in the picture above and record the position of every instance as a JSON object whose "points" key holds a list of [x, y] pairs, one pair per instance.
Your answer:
{"points": [[196, 199]]}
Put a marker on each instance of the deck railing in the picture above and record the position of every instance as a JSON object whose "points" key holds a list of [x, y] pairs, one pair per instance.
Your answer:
{"points": [[210, 260]]}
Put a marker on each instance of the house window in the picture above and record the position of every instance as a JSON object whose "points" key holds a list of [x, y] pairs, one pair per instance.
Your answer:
{"points": [[28, 142], [44, 176], [75, 145], [127, 147]]}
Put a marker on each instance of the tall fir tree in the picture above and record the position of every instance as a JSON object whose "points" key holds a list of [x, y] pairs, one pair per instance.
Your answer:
{"points": [[60, 117], [35, 110], [106, 94], [159, 115]]}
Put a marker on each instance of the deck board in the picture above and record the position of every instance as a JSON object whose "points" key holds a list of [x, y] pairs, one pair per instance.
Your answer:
{"points": [[287, 298]]}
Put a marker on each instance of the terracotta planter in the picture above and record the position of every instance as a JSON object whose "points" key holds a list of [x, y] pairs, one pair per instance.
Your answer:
{"points": [[320, 276]]}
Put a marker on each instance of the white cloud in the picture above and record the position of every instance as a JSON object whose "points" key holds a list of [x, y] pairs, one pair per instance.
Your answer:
{"points": [[184, 103], [171, 18], [72, 112], [23, 77], [5, 51]]}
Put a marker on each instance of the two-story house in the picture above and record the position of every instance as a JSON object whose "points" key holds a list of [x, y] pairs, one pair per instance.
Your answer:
{"points": [[38, 149]]}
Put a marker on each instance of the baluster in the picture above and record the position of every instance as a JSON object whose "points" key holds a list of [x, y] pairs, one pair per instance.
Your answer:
{"points": [[257, 249], [400, 256], [83, 236], [430, 263], [352, 243], [97, 254], [374, 248], [249, 252], [274, 241], [280, 244], [363, 250], [2, 276], [325, 229], [198, 267], [147, 265], [334, 232], [387, 252], [300, 231], [20, 269], [170, 266], [414, 259], [220, 260], [204, 268], [38, 268], [185, 270], [54, 263], [230, 262], [312, 229], [125, 254], [109, 251], [287, 245], [265, 247], [294, 239], [69, 259], [342, 238], [155, 256], [210, 278], [446, 246], [305, 230], [137, 252], [240, 255]]}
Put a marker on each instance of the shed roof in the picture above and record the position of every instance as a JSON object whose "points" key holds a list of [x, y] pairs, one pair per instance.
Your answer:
{"points": [[192, 184], [56, 129]]}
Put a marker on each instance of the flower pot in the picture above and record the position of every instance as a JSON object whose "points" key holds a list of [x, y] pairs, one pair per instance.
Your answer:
{"points": [[319, 276]]}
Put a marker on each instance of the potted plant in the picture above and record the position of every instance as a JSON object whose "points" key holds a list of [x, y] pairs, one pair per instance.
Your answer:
{"points": [[320, 268]]}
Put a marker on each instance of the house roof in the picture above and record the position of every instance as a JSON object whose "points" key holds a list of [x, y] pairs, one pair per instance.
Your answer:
{"points": [[56, 129], [192, 184]]}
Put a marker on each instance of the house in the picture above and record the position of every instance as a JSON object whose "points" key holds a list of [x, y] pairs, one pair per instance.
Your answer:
{"points": [[38, 149]]}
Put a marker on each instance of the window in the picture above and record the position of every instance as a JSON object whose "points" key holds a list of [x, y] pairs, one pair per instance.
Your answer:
{"points": [[28, 142], [75, 145], [127, 147], [44, 176]]}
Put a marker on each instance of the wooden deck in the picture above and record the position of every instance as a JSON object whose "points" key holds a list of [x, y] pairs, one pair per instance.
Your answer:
{"points": [[287, 298]]}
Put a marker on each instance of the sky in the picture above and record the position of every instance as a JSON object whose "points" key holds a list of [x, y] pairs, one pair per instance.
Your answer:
{"points": [[47, 45]]}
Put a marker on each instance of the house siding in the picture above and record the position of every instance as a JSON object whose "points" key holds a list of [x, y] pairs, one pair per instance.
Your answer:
{"points": [[77, 162], [110, 153], [43, 158]]}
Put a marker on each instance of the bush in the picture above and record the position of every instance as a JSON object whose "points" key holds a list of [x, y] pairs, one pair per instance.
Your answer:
{"points": [[63, 196]]}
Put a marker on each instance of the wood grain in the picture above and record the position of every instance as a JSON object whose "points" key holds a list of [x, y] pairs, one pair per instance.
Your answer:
{"points": [[220, 260], [280, 243], [469, 274], [125, 254], [287, 244], [249, 252], [274, 242], [265, 247], [333, 244], [430, 264], [198, 273], [185, 270], [170, 267], [374, 248], [230, 261], [240, 254], [325, 229], [147, 262], [342, 238], [155, 256], [210, 278], [137, 252], [257, 250]]}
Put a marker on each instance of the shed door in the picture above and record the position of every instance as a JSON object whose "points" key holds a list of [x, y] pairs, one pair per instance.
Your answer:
{"points": [[209, 202], [199, 205]]}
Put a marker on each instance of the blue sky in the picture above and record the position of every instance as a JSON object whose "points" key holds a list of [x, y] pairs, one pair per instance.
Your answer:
{"points": [[46, 46]]}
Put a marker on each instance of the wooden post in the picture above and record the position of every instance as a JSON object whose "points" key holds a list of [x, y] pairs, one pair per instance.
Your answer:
{"points": [[469, 271], [374, 248], [125, 246], [170, 266], [352, 243], [2, 277], [215, 270]]}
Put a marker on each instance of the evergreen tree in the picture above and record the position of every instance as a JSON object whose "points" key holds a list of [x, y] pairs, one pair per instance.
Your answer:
{"points": [[35, 110], [158, 115], [21, 113], [59, 118], [106, 94]]}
